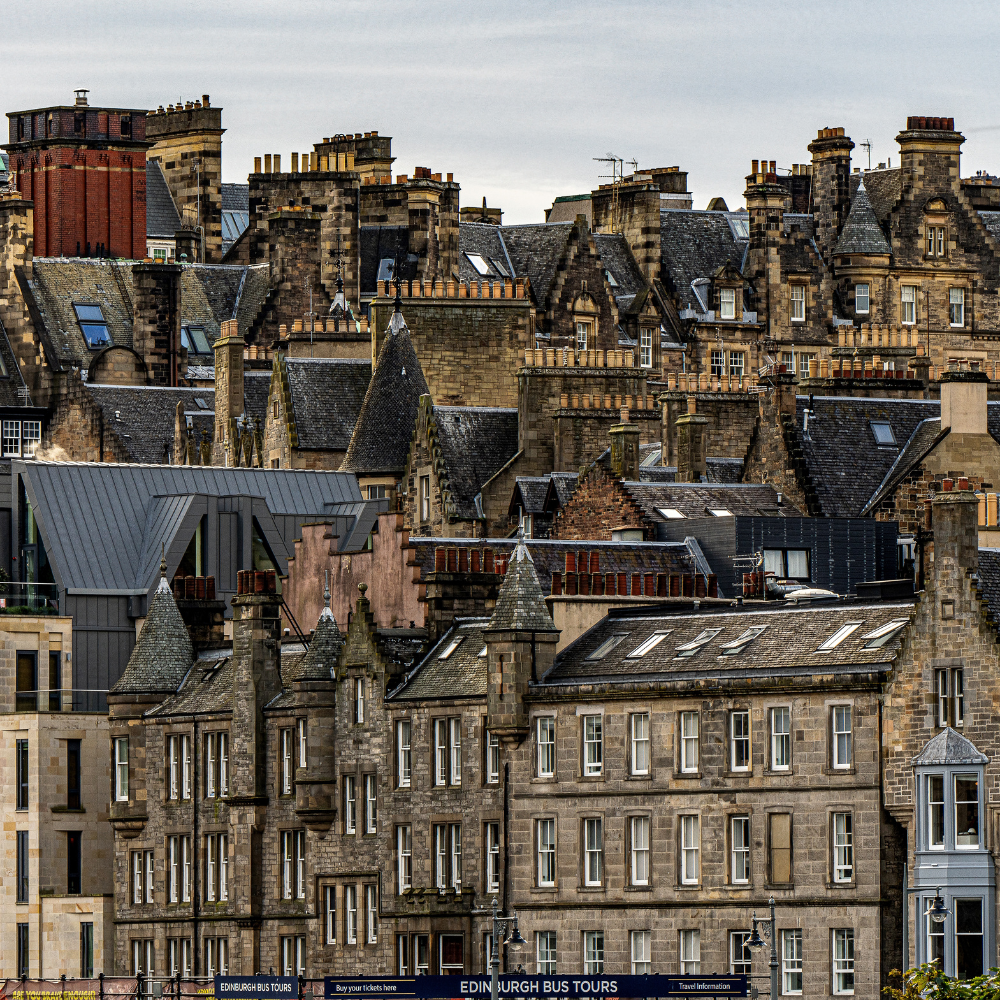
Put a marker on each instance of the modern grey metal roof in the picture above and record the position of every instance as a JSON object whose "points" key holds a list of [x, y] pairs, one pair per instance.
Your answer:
{"points": [[102, 524]]}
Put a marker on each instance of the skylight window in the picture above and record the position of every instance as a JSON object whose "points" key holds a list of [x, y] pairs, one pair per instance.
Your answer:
{"points": [[194, 339], [839, 636], [671, 513], [884, 633], [606, 646], [692, 647], [499, 268], [93, 325], [451, 647], [883, 432], [720, 512], [612, 281], [647, 644], [477, 261], [741, 641], [482, 652], [385, 266]]}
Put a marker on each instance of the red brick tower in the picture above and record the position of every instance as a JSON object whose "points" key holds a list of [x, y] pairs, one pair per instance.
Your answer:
{"points": [[85, 170]]}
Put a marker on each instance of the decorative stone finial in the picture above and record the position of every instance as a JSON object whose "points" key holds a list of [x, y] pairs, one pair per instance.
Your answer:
{"points": [[326, 589], [362, 587]]}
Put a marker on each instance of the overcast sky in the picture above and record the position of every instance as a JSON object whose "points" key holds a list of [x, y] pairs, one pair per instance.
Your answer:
{"points": [[517, 98]]}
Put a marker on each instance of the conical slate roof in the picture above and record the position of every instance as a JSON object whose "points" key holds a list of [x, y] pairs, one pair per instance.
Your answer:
{"points": [[861, 232], [163, 653], [949, 747], [382, 435], [520, 604], [320, 660]]}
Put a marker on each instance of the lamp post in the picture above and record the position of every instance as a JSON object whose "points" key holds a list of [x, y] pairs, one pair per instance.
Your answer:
{"points": [[501, 925], [757, 942]]}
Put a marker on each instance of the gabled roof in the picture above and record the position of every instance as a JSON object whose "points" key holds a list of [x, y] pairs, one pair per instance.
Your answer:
{"points": [[529, 494], [922, 441], [787, 645], [461, 673], [475, 442], [862, 233], [695, 245], [162, 217], [884, 188], [162, 654], [697, 500], [535, 252], [384, 430], [95, 518], [949, 747], [320, 661], [520, 605], [327, 395], [618, 260]]}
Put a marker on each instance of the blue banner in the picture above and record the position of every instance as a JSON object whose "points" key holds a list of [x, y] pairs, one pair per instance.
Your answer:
{"points": [[256, 987], [532, 987]]}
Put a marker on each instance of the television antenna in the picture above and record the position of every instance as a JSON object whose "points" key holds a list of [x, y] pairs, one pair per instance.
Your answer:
{"points": [[617, 176], [867, 144]]}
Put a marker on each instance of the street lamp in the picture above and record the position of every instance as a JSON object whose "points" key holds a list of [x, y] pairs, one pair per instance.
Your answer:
{"points": [[937, 911], [758, 942], [501, 925]]}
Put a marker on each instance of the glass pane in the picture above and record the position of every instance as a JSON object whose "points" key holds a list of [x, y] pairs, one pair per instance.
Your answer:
{"points": [[89, 312], [798, 564], [96, 334], [966, 810]]}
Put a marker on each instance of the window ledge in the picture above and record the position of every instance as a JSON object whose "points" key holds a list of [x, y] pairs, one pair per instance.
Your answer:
{"points": [[842, 885], [688, 775], [591, 888], [544, 888], [590, 777], [689, 888], [748, 773], [66, 809], [779, 885], [545, 779], [638, 777], [846, 771], [639, 888]]}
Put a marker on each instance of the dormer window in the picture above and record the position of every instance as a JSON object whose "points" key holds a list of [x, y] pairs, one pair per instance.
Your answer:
{"points": [[727, 303], [93, 325], [477, 261], [194, 339]]}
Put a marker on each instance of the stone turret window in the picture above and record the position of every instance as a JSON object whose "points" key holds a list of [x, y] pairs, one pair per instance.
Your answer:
{"points": [[862, 300]]}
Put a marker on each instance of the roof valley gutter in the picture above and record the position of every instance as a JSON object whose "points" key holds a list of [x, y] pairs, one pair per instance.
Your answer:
{"points": [[510, 266], [239, 292]]}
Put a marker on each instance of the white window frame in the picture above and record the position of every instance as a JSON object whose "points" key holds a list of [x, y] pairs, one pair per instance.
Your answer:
{"points": [[645, 348], [330, 913], [185, 742], [690, 849], [956, 308], [545, 739], [739, 847], [12, 439], [593, 851], [31, 437], [455, 855], [211, 765], [935, 811], [371, 913], [639, 849], [689, 742], [351, 913], [359, 700], [859, 296], [121, 769], [150, 869], [371, 803], [739, 954], [843, 847], [842, 727], [404, 857], [211, 862], [545, 833], [287, 862], [493, 857], [492, 758], [545, 952], [739, 736], [717, 364], [223, 867], [425, 498], [639, 950], [303, 748], [727, 303], [690, 952], [797, 300], [843, 961], [286, 761], [404, 753], [455, 750], [791, 962], [582, 334], [350, 804], [639, 727], [737, 364], [299, 844], [440, 752], [593, 953], [956, 777], [908, 305], [781, 738], [593, 745], [185, 869], [173, 769], [223, 764]]}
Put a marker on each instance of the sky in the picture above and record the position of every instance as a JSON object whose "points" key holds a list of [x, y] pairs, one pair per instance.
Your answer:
{"points": [[516, 99]]}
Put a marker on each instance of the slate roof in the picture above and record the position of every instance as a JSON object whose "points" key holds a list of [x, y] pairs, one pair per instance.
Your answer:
{"points": [[535, 252], [884, 187], [949, 747], [13, 390], [992, 222], [989, 575], [862, 232], [476, 442], [694, 245], [924, 438], [256, 390], [320, 660], [462, 674], [788, 644], [162, 217], [235, 197], [840, 452], [487, 241], [520, 605], [617, 258], [163, 653], [695, 500], [379, 243], [327, 395], [102, 523], [724, 470], [529, 494], [384, 430]]}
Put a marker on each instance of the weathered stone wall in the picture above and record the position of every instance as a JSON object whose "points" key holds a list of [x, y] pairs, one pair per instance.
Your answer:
{"points": [[731, 417], [598, 506]]}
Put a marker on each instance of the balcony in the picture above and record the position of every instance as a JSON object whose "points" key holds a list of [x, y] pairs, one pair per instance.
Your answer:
{"points": [[29, 598]]}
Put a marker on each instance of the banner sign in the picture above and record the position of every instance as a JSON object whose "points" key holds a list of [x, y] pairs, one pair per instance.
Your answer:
{"points": [[256, 987], [532, 987], [71, 989]]}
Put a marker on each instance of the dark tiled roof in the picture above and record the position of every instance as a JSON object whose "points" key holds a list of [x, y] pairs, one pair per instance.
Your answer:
{"points": [[617, 258], [530, 493], [486, 240], [462, 674], [724, 470], [992, 222], [564, 485], [535, 252], [162, 218], [320, 660], [208, 687], [949, 747], [695, 245], [327, 394], [163, 653], [235, 197], [697, 499], [475, 442], [800, 256], [377, 244], [862, 232], [840, 451], [989, 574], [384, 431], [927, 434], [788, 643], [520, 605], [13, 390], [884, 189], [256, 389]]}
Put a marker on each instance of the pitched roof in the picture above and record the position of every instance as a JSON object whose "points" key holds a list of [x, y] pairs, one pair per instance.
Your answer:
{"points": [[529, 494], [448, 670], [487, 241], [13, 389], [862, 233], [992, 222], [235, 197], [949, 747], [162, 217], [520, 605], [384, 430], [535, 252], [320, 660], [327, 395], [884, 187], [256, 390], [923, 439], [697, 500], [618, 260], [163, 653], [475, 443], [694, 245], [787, 644], [989, 575]]}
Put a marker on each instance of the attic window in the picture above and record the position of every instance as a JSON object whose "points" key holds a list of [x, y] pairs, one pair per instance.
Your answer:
{"points": [[671, 513], [385, 269], [477, 261], [194, 339], [883, 433], [692, 647], [720, 512], [727, 303], [499, 268], [839, 636], [200, 403], [451, 647], [741, 642], [606, 646], [648, 644], [482, 652], [884, 633], [93, 325], [612, 281]]}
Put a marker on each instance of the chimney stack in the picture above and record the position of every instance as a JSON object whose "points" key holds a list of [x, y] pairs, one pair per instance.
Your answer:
{"points": [[625, 449], [963, 401], [692, 460]]}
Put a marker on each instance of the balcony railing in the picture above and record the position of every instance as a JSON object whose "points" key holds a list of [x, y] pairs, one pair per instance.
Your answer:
{"points": [[29, 598]]}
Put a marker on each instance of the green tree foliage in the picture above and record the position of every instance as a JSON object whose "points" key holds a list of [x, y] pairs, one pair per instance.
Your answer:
{"points": [[929, 983]]}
